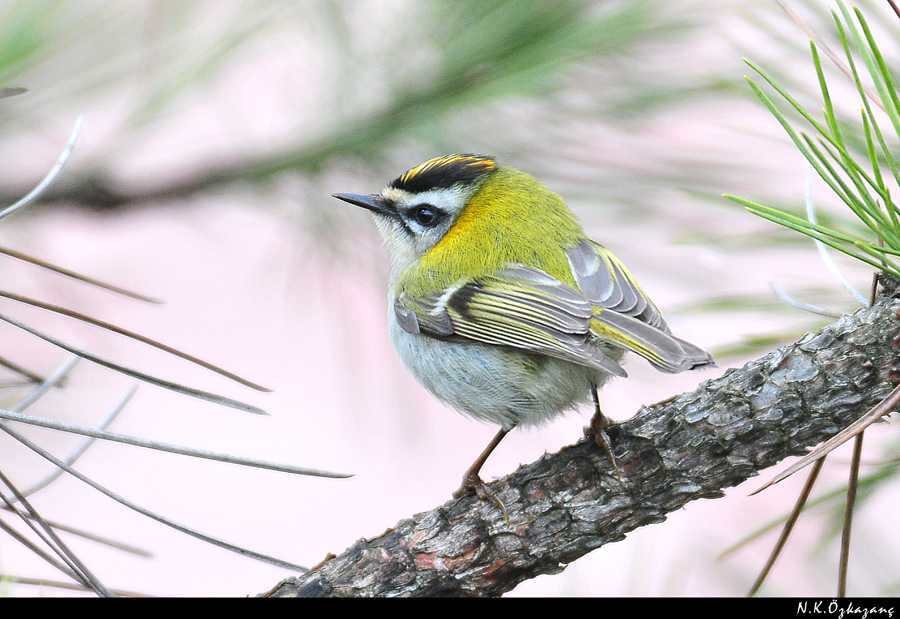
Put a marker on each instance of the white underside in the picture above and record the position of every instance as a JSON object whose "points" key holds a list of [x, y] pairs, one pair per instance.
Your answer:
{"points": [[495, 384]]}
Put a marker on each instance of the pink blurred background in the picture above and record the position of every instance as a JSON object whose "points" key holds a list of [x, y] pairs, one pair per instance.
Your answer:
{"points": [[287, 287]]}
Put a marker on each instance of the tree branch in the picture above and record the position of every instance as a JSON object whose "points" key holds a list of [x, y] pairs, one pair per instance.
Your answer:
{"points": [[690, 447]]}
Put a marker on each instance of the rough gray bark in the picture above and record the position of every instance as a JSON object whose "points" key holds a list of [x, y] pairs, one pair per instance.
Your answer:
{"points": [[690, 447]]}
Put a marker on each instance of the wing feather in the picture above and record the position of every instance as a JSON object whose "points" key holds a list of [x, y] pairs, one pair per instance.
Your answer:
{"points": [[525, 308], [604, 280], [518, 307], [664, 351]]}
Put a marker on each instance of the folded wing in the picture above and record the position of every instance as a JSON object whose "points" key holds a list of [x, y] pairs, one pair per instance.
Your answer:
{"points": [[526, 309], [624, 314]]}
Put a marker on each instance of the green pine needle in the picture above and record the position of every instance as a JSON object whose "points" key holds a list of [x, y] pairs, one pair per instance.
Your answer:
{"points": [[861, 176]]}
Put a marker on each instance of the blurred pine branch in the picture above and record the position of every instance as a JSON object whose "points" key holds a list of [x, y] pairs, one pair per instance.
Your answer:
{"points": [[438, 63]]}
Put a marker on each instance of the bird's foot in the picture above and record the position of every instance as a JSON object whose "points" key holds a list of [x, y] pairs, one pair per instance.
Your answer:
{"points": [[473, 483], [597, 430]]}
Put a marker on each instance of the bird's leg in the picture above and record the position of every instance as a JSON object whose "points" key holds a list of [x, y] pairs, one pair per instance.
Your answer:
{"points": [[597, 430], [472, 480]]}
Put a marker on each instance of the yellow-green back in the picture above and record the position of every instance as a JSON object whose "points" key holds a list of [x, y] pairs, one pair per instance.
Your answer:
{"points": [[511, 218]]}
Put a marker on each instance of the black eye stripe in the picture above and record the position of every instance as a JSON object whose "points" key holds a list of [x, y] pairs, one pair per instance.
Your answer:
{"points": [[425, 215]]}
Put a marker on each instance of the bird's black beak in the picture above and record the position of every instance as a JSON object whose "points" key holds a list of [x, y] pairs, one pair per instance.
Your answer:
{"points": [[374, 203]]}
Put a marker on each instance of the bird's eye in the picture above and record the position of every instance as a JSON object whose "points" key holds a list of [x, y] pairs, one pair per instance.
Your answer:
{"points": [[426, 215]]}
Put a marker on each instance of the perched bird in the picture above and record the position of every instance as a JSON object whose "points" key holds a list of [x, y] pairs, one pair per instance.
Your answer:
{"points": [[501, 306]]}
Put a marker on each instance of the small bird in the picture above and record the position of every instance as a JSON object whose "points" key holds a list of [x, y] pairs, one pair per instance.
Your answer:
{"points": [[500, 304]]}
